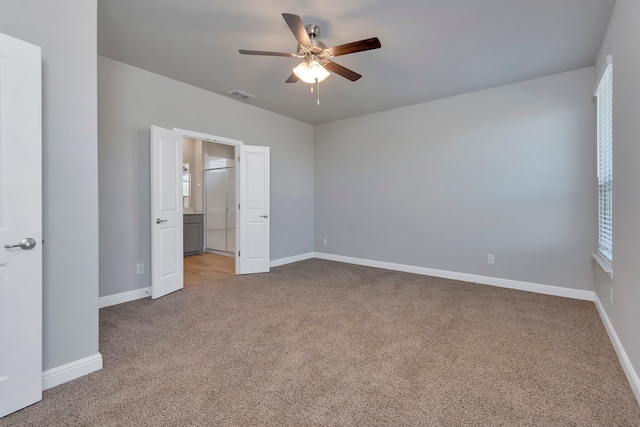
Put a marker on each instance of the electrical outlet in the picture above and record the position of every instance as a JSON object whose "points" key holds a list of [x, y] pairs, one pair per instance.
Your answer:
{"points": [[140, 268], [490, 259], [324, 241], [611, 295]]}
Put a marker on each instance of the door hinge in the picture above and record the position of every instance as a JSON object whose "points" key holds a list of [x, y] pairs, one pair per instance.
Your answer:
{"points": [[238, 206], [238, 253], [238, 159]]}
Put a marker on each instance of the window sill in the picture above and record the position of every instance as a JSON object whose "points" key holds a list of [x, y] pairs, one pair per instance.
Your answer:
{"points": [[604, 263]]}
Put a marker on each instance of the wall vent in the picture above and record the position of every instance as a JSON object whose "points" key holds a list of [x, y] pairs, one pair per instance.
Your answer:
{"points": [[240, 94]]}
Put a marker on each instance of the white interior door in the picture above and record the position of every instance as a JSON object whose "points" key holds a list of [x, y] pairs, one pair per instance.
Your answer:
{"points": [[167, 260], [254, 188], [20, 225]]}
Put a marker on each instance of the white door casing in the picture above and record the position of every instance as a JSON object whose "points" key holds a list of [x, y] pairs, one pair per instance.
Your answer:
{"points": [[167, 260], [20, 218], [254, 212]]}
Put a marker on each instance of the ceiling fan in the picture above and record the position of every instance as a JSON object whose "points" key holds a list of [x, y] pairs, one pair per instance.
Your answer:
{"points": [[317, 57]]}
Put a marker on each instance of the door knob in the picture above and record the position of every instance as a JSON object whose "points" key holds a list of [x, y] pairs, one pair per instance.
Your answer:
{"points": [[264, 216], [26, 244], [160, 221]]}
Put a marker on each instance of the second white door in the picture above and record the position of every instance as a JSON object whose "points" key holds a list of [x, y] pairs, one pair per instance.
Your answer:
{"points": [[254, 223], [167, 260]]}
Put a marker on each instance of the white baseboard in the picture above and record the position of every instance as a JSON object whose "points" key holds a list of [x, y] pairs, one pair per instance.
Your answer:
{"points": [[71, 371], [114, 299], [289, 260], [465, 277], [627, 367]]}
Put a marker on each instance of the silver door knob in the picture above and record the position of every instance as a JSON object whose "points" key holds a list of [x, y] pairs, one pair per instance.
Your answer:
{"points": [[160, 221], [264, 216], [26, 244]]}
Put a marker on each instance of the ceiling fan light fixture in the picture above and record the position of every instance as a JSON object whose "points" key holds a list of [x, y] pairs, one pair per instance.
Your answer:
{"points": [[310, 71]]}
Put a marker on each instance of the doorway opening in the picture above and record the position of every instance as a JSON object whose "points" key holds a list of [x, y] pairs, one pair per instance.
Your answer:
{"points": [[209, 193], [173, 185]]}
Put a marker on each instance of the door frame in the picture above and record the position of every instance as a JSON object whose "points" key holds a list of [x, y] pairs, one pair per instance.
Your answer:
{"points": [[226, 141]]}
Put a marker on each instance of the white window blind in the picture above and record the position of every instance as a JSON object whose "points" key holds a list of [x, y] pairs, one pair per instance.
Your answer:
{"points": [[604, 101]]}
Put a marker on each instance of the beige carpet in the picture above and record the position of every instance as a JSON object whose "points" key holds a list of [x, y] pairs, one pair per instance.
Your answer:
{"points": [[323, 343]]}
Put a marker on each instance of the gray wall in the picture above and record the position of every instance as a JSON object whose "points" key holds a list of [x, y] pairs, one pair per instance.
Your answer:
{"points": [[66, 30], [622, 41], [507, 171], [131, 100]]}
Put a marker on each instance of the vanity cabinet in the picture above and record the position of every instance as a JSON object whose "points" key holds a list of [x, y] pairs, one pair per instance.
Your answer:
{"points": [[193, 233]]}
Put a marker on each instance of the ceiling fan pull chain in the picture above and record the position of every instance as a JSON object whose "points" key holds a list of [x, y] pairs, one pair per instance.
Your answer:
{"points": [[318, 90]]}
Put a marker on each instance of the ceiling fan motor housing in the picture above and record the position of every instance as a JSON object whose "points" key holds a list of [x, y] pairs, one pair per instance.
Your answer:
{"points": [[318, 50]]}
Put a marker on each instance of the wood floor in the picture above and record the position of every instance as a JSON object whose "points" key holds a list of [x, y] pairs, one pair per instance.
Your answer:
{"points": [[205, 267]]}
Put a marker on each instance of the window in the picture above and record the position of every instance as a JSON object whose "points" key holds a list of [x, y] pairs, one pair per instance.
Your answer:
{"points": [[604, 103]]}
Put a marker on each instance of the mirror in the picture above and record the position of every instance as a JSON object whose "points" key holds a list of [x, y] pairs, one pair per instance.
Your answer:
{"points": [[186, 184]]}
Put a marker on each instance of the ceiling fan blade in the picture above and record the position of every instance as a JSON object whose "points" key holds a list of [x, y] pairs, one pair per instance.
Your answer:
{"points": [[297, 28], [342, 71], [261, 52], [362, 45], [292, 78]]}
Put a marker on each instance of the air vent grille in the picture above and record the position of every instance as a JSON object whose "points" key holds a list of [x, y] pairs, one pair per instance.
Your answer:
{"points": [[240, 94]]}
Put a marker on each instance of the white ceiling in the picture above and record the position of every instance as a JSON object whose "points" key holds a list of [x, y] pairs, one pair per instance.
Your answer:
{"points": [[431, 49]]}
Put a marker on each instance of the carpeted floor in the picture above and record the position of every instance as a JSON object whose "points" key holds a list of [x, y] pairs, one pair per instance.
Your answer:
{"points": [[326, 344]]}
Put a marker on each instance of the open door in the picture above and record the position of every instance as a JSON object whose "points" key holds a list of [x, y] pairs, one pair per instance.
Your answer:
{"points": [[167, 260], [254, 222], [20, 224]]}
